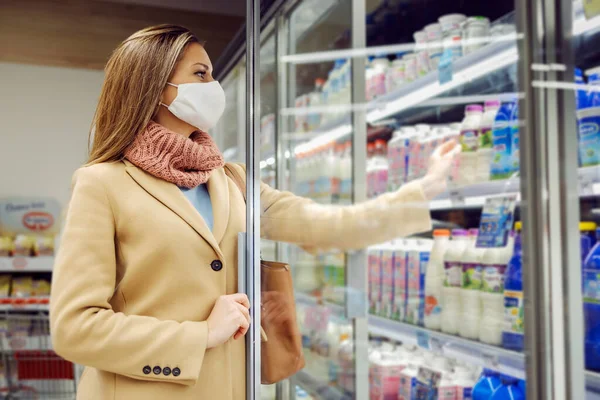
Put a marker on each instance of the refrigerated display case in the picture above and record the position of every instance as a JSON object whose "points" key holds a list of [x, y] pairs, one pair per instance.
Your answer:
{"points": [[365, 91]]}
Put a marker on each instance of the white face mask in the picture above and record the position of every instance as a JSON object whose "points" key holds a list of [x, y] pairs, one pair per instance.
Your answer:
{"points": [[199, 104]]}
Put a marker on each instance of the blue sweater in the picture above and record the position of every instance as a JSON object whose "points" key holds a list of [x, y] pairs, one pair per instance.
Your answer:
{"points": [[200, 199]]}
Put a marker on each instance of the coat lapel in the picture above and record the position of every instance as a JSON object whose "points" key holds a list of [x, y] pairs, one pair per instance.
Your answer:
{"points": [[218, 189], [171, 197]]}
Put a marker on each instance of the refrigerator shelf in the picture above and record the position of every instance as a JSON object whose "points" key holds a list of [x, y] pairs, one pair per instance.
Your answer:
{"points": [[467, 69], [474, 353], [26, 264], [474, 196]]}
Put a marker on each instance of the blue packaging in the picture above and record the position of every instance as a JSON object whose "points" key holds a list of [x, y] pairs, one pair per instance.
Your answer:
{"points": [[593, 96], [581, 96], [509, 390], [488, 383], [423, 261], [589, 136], [502, 139], [513, 333], [591, 308]]}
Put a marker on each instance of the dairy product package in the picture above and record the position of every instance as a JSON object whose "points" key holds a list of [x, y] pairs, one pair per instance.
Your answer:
{"points": [[387, 281], [422, 54], [502, 138], [469, 140], [485, 148], [385, 377], [476, 33], [589, 136], [374, 261], [400, 275], [434, 280], [434, 44], [418, 258]]}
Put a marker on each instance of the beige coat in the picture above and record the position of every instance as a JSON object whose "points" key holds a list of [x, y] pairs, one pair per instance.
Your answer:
{"points": [[137, 275]]}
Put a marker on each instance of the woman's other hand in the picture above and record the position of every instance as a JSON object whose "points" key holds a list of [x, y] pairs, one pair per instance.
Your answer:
{"points": [[230, 317], [440, 166]]}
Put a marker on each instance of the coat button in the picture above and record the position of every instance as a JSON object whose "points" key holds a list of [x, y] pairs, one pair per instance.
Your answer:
{"points": [[167, 371], [176, 371], [216, 265], [147, 370], [157, 370]]}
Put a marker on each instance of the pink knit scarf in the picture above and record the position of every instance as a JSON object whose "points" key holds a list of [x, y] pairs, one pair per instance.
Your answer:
{"points": [[186, 162]]}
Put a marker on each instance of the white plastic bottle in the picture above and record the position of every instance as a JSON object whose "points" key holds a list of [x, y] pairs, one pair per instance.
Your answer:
{"points": [[451, 312], [464, 382], [434, 280], [469, 135], [485, 150], [494, 262], [470, 290]]}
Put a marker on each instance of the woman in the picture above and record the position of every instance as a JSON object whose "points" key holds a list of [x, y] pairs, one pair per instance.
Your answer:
{"points": [[144, 291]]}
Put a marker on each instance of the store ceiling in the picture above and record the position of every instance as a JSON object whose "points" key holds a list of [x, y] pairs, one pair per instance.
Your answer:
{"points": [[83, 33]]}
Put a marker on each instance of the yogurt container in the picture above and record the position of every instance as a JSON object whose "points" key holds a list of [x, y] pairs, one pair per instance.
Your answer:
{"points": [[410, 67], [422, 53], [434, 44], [476, 32], [450, 22]]}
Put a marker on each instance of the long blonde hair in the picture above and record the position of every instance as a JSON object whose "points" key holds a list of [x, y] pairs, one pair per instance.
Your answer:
{"points": [[135, 77]]}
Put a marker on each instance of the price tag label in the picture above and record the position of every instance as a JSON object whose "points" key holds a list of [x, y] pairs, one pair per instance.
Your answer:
{"points": [[457, 198], [435, 345], [591, 8], [423, 339], [445, 67], [490, 361], [496, 221]]}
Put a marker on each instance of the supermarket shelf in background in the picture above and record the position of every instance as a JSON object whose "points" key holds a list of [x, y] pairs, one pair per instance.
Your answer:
{"points": [[474, 196], [465, 70], [472, 352], [24, 303], [27, 264]]}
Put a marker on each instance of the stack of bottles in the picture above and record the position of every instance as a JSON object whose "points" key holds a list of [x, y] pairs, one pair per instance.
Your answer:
{"points": [[449, 284], [588, 116], [409, 150], [324, 174]]}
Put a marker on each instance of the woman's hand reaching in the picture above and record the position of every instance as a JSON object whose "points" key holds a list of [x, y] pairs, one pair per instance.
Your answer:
{"points": [[230, 317], [440, 166]]}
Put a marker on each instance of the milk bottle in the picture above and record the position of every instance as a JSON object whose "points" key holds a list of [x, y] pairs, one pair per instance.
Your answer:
{"points": [[494, 263], [471, 285], [485, 150], [451, 312], [469, 136], [434, 280]]}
